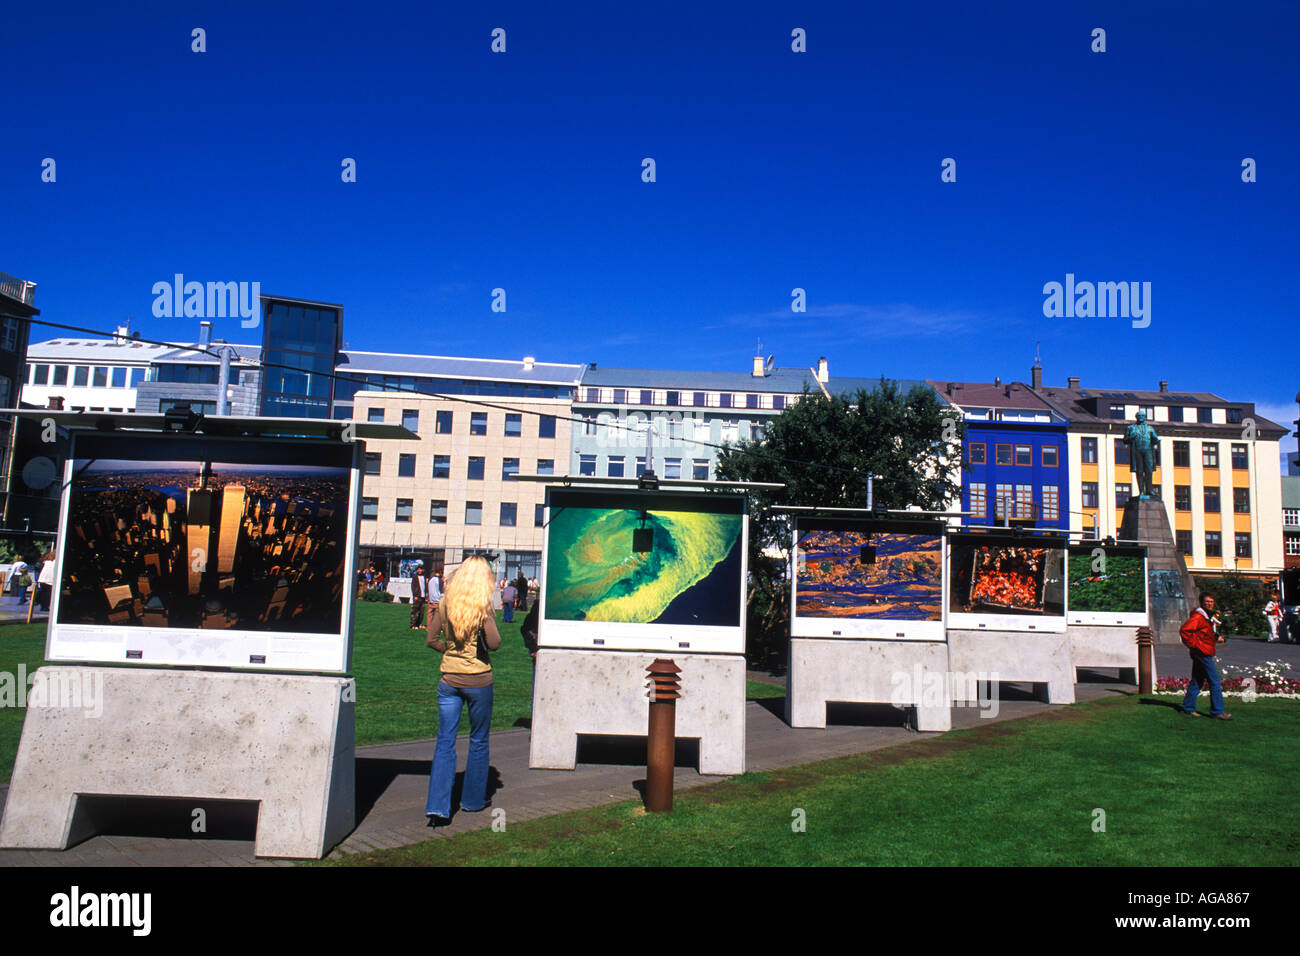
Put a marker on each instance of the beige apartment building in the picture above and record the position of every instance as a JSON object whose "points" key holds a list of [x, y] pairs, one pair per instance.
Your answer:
{"points": [[451, 492]]}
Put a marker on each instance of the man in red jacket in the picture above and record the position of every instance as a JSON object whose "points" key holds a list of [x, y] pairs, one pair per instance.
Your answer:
{"points": [[1199, 637]]}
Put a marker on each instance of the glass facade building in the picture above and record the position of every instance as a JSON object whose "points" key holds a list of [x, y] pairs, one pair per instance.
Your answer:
{"points": [[300, 343]]}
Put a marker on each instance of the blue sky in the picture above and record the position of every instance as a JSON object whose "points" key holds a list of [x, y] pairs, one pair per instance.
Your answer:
{"points": [[775, 170]]}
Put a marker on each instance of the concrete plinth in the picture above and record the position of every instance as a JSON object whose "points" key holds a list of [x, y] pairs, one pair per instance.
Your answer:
{"points": [[1106, 646], [1172, 592], [604, 692], [1041, 658], [867, 671], [287, 742]]}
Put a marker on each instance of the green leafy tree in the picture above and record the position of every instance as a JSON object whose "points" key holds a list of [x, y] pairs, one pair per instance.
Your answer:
{"points": [[822, 449], [1239, 601]]}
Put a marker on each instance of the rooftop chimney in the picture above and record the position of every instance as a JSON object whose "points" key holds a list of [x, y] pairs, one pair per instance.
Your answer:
{"points": [[758, 367], [205, 334], [997, 379], [1036, 376], [823, 371], [56, 403], [529, 361], [1164, 386], [1072, 383]]}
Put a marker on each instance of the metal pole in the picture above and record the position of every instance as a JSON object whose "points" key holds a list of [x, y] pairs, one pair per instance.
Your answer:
{"points": [[661, 740], [223, 381]]}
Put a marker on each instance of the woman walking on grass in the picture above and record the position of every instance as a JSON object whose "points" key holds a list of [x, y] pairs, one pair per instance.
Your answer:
{"points": [[466, 617]]}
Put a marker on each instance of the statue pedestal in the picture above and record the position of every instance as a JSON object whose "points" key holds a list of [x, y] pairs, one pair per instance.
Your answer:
{"points": [[1172, 593]]}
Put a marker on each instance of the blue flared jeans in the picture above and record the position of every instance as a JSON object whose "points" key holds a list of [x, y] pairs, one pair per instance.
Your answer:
{"points": [[1204, 671], [473, 794]]}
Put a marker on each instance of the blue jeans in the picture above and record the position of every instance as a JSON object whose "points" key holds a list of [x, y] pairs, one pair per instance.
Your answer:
{"points": [[508, 612], [1204, 671], [473, 795]]}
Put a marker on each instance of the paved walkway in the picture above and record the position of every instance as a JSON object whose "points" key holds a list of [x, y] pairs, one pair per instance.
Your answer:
{"points": [[392, 779]]}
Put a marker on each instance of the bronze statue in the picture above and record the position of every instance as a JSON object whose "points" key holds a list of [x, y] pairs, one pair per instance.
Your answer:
{"points": [[1142, 448]]}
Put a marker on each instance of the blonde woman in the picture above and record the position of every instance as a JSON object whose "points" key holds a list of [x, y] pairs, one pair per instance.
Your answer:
{"points": [[464, 628]]}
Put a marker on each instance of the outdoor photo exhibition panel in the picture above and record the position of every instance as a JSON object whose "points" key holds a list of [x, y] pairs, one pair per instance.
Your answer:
{"points": [[1107, 585], [1006, 582], [644, 570], [183, 549], [868, 578]]}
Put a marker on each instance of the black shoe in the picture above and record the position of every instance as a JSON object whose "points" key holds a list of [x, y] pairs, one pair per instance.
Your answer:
{"points": [[436, 821]]}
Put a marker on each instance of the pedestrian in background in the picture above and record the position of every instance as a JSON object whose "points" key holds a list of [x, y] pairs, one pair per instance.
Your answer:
{"points": [[1273, 615]]}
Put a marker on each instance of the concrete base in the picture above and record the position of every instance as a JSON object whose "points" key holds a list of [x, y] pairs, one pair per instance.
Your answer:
{"points": [[867, 671], [1042, 659], [604, 692], [287, 742], [1105, 647], [1170, 586]]}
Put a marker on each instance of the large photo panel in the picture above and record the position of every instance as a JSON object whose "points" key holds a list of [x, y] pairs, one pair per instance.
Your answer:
{"points": [[867, 578], [186, 549], [1107, 585], [643, 570], [1006, 583]]}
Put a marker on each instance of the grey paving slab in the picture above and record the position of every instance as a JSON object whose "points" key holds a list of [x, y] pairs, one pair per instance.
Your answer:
{"points": [[393, 783]]}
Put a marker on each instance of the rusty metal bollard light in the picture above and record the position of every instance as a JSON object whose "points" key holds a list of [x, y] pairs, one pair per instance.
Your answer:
{"points": [[661, 741], [1146, 648]]}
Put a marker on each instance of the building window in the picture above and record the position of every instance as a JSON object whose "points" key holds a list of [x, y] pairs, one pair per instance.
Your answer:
{"points": [[620, 396], [1239, 460], [1122, 496], [539, 516], [1024, 502], [751, 401], [979, 503], [373, 461], [778, 402], [1024, 455], [724, 400], [586, 464], [1089, 494], [1002, 454], [1051, 503], [546, 466], [509, 469], [1182, 497], [403, 510], [478, 423], [546, 426], [700, 398], [1175, 413], [1204, 414], [11, 335], [1211, 498], [509, 513], [1291, 516], [1089, 449], [514, 425], [369, 509], [647, 396], [374, 415], [1183, 542], [700, 469], [640, 465], [442, 466], [1150, 411], [1210, 454], [476, 467], [614, 467], [593, 395], [1241, 501], [674, 398], [1117, 411], [976, 451], [672, 467], [1051, 456], [101, 377], [473, 512], [60, 376], [1234, 418], [1293, 544], [1213, 547], [1182, 454], [442, 423], [40, 374], [405, 466], [438, 511], [119, 378], [80, 376], [1242, 540], [589, 426], [6, 391], [411, 419], [1003, 496], [1121, 452]]}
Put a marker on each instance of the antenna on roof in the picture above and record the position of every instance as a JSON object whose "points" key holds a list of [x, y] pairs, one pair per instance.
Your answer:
{"points": [[1037, 359]]}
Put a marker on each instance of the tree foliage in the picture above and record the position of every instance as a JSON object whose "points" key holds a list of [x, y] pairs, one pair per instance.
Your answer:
{"points": [[1239, 601], [822, 449]]}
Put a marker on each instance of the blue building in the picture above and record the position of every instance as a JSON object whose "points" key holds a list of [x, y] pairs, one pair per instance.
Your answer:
{"points": [[1015, 466]]}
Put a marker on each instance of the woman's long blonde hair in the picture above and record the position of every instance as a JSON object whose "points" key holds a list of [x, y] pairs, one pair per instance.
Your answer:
{"points": [[468, 600]]}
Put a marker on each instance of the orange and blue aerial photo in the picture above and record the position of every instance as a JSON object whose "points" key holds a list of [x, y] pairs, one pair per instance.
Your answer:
{"points": [[903, 583]]}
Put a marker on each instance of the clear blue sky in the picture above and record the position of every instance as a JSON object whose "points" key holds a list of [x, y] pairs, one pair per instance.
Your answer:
{"points": [[775, 170]]}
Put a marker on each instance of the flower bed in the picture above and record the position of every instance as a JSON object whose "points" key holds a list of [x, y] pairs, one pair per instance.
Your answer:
{"points": [[1266, 680]]}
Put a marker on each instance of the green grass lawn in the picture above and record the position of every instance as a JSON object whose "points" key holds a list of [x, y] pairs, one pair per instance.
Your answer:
{"points": [[396, 674], [1176, 791]]}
